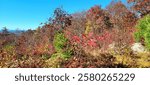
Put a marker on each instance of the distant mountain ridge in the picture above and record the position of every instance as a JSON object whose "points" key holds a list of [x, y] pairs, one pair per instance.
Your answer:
{"points": [[15, 31]]}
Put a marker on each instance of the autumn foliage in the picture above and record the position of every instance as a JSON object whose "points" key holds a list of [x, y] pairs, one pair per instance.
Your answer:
{"points": [[140, 6], [98, 37]]}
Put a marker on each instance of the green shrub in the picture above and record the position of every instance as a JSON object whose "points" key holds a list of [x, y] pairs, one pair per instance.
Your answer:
{"points": [[63, 55], [61, 46], [59, 41], [63, 51], [143, 31]]}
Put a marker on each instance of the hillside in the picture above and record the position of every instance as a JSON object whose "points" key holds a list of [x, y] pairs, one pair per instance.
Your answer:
{"points": [[117, 36]]}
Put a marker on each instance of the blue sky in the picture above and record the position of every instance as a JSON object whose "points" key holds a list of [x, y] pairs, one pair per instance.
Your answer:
{"points": [[28, 14]]}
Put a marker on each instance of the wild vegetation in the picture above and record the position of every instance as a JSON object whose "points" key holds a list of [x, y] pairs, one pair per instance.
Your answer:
{"points": [[94, 38]]}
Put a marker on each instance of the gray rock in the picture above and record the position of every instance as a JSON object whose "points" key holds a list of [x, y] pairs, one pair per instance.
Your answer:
{"points": [[138, 48]]}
